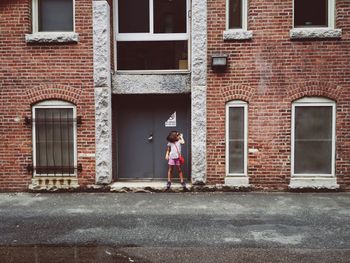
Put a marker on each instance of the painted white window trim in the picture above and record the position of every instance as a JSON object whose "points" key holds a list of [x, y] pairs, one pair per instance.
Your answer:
{"points": [[244, 16], [151, 36], [309, 102], [49, 37], [318, 32], [244, 105], [55, 104]]}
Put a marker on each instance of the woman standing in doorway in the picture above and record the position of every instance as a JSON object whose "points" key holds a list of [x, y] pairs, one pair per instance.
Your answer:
{"points": [[173, 155]]}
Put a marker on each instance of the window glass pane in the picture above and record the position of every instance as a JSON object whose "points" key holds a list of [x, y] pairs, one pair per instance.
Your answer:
{"points": [[313, 122], [54, 141], [310, 13], [55, 15], [235, 14], [236, 123], [236, 140], [313, 157], [170, 16], [313, 139], [152, 55], [133, 16], [236, 157]]}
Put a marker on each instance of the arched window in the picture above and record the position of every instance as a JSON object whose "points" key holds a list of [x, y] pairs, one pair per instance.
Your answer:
{"points": [[313, 137], [54, 138], [236, 138]]}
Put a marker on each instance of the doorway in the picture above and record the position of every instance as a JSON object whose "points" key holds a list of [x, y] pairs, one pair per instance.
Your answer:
{"points": [[142, 125]]}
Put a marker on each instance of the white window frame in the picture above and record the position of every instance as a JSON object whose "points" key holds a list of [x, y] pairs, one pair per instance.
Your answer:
{"points": [[314, 102], [331, 17], [151, 36], [244, 105], [244, 15], [55, 104], [35, 18]]}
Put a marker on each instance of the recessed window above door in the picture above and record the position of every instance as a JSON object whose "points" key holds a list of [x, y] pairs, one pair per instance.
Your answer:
{"points": [[152, 34]]}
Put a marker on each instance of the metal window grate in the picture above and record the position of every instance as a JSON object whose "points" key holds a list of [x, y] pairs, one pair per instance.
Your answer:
{"points": [[54, 132]]}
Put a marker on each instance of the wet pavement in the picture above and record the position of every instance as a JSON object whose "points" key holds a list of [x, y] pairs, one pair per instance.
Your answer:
{"points": [[191, 227], [91, 254]]}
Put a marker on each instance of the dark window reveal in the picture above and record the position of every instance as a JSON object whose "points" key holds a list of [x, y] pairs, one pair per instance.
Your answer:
{"points": [[152, 55], [169, 16], [54, 137], [133, 16], [313, 140], [236, 140], [55, 15], [310, 13], [235, 14]]}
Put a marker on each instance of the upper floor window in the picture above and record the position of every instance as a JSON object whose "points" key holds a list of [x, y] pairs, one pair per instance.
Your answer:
{"points": [[53, 15], [152, 35], [314, 13], [313, 137], [54, 138], [237, 14]]}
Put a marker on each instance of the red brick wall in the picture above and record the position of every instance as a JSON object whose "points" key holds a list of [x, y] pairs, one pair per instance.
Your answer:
{"points": [[269, 72], [33, 72]]}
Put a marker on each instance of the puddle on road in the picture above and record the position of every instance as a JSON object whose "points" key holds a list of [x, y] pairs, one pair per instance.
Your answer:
{"points": [[65, 254]]}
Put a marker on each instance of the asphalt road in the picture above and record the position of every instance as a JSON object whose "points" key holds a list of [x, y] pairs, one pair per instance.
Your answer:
{"points": [[187, 227]]}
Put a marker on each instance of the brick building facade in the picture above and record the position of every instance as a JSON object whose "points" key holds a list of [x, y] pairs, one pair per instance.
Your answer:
{"points": [[119, 83], [270, 70]]}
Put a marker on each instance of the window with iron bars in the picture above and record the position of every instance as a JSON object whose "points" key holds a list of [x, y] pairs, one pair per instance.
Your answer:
{"points": [[54, 126]]}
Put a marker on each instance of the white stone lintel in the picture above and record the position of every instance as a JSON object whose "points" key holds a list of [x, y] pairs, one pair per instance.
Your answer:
{"points": [[237, 181], [52, 37], [151, 84], [315, 33], [313, 183], [237, 34]]}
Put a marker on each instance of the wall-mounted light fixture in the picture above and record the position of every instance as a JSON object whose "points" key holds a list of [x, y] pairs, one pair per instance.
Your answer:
{"points": [[219, 62]]}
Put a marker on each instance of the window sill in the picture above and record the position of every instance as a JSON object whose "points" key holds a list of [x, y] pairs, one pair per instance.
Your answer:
{"points": [[49, 183], [237, 181], [153, 72], [315, 33], [315, 182], [237, 34], [52, 37]]}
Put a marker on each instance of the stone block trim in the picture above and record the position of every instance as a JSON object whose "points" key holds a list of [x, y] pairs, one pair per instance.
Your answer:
{"points": [[151, 83], [314, 88], [102, 40], [237, 92], [53, 91], [103, 92], [52, 37], [199, 38], [314, 33], [240, 34]]}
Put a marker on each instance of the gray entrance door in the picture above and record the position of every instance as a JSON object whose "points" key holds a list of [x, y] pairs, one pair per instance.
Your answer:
{"points": [[142, 131]]}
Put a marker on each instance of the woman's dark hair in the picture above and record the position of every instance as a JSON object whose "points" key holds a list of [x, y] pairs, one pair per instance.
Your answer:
{"points": [[172, 137]]}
